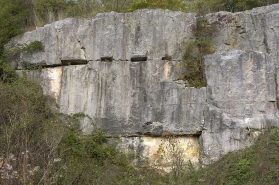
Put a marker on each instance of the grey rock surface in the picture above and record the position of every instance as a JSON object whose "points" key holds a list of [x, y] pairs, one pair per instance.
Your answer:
{"points": [[124, 72], [241, 100], [123, 97], [151, 33]]}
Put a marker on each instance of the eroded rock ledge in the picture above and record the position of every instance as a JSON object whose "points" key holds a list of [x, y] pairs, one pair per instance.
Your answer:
{"points": [[123, 71]]}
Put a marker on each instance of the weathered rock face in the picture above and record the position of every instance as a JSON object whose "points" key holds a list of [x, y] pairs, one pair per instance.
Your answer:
{"points": [[151, 33], [241, 100], [162, 152], [122, 70], [127, 98]]}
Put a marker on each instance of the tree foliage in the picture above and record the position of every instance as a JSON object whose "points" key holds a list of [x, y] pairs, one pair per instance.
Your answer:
{"points": [[226, 5], [175, 5], [13, 18]]}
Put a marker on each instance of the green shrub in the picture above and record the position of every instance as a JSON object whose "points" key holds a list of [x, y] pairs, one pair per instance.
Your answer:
{"points": [[242, 5], [195, 51], [7, 73], [33, 47], [175, 5], [207, 6], [210, 6]]}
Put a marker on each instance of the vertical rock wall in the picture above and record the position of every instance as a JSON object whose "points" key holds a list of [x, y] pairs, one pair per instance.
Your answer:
{"points": [[123, 71], [241, 101]]}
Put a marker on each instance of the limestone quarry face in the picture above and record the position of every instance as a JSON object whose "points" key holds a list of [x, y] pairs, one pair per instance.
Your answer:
{"points": [[241, 100], [123, 71]]}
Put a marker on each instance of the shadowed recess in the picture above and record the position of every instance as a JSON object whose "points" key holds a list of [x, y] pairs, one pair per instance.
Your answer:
{"points": [[167, 57], [74, 62], [106, 59], [138, 58]]}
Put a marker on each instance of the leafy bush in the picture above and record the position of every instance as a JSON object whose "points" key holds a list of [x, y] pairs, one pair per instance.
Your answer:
{"points": [[7, 73], [226, 5], [175, 5], [195, 51], [205, 6], [242, 5], [33, 47]]}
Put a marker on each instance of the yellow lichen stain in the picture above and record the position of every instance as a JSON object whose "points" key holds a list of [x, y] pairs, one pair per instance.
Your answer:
{"points": [[249, 67], [1, 162], [167, 69], [55, 74], [157, 69], [263, 72], [255, 134], [164, 152], [237, 143]]}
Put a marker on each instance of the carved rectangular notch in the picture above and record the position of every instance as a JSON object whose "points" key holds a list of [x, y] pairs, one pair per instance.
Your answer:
{"points": [[138, 58], [74, 62], [106, 59], [167, 57]]}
